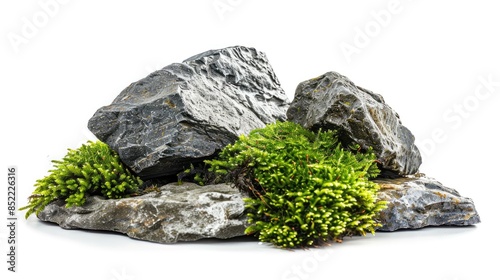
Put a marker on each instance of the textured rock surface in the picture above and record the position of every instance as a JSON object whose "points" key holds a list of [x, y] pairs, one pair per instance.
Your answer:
{"points": [[332, 101], [418, 202], [189, 212], [177, 213], [186, 112]]}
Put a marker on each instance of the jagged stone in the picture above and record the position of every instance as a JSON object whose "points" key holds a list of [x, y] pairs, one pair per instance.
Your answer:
{"points": [[332, 101], [186, 112], [419, 201], [184, 212]]}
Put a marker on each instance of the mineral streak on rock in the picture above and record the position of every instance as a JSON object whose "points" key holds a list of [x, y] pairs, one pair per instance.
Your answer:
{"points": [[186, 112], [419, 201], [332, 101], [184, 212]]}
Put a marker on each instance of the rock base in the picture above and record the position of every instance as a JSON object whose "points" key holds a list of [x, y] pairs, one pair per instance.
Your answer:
{"points": [[184, 212], [190, 212]]}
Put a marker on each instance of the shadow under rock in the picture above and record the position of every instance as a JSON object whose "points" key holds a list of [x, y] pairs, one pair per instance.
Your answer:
{"points": [[49, 226]]}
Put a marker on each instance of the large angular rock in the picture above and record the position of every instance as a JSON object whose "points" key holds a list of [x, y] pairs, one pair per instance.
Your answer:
{"points": [[419, 201], [186, 112], [332, 101], [177, 213]]}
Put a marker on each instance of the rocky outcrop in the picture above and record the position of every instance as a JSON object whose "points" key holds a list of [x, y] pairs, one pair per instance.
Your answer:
{"points": [[174, 213], [419, 201], [332, 101], [186, 112], [189, 212]]}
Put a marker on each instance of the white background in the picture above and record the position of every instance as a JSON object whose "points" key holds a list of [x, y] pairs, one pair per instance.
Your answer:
{"points": [[427, 59]]}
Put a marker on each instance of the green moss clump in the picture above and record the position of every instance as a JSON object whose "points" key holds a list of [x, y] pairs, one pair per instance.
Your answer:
{"points": [[92, 169], [305, 188]]}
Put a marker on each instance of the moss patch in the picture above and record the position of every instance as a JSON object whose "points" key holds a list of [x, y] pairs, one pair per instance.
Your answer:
{"points": [[304, 187]]}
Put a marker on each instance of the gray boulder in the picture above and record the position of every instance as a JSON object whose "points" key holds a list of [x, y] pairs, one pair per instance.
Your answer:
{"points": [[175, 213], [186, 112], [419, 201], [332, 101]]}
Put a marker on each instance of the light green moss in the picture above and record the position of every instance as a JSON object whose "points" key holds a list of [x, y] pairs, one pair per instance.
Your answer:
{"points": [[92, 169], [305, 187]]}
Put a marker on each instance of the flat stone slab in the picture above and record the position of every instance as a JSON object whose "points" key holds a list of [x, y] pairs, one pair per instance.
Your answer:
{"points": [[184, 212]]}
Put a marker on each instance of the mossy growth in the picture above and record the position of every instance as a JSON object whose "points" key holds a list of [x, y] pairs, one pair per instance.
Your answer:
{"points": [[305, 188], [92, 169]]}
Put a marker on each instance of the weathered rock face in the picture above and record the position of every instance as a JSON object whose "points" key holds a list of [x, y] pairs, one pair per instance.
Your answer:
{"points": [[332, 101], [177, 213], [419, 202], [186, 112]]}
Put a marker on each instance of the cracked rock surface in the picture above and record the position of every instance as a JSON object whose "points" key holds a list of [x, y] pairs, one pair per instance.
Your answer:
{"points": [[186, 112]]}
